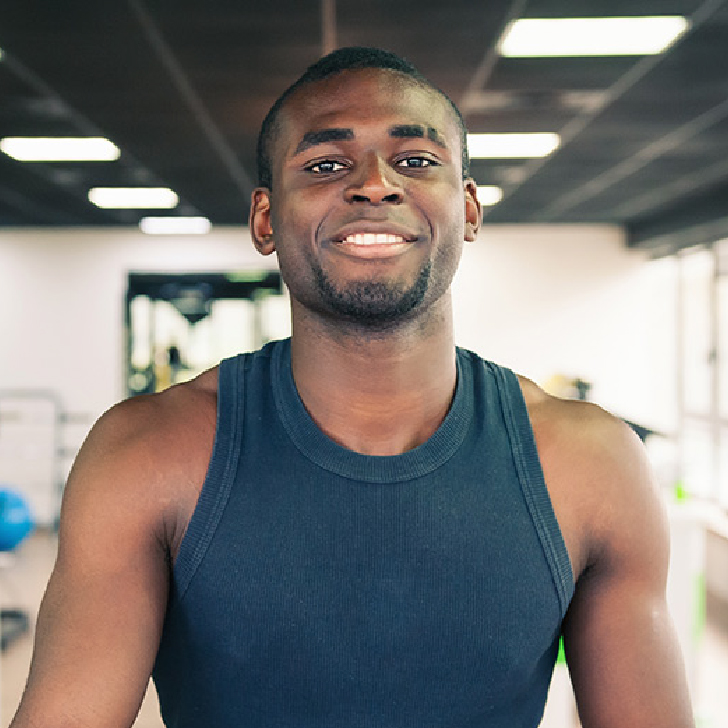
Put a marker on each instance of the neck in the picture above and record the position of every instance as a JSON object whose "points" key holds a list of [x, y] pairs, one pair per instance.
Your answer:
{"points": [[377, 393]]}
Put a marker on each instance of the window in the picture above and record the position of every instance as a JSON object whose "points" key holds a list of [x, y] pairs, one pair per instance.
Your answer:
{"points": [[703, 370]]}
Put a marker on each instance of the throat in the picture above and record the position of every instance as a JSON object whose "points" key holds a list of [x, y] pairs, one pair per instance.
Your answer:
{"points": [[379, 410], [375, 436]]}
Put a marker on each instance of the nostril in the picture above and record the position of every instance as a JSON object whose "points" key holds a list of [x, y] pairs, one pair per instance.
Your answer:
{"points": [[394, 197]]}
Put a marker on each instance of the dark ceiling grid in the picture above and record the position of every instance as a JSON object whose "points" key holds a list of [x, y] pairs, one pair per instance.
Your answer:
{"points": [[581, 122], [644, 156], [483, 71], [34, 207], [199, 112], [63, 201], [182, 87]]}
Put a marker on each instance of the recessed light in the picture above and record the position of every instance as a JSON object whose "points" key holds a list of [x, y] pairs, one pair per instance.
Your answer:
{"points": [[512, 145], [133, 198], [60, 149], [175, 225], [619, 36], [489, 195]]}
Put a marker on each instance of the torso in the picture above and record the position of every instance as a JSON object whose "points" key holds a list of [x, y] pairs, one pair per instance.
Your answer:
{"points": [[553, 423]]}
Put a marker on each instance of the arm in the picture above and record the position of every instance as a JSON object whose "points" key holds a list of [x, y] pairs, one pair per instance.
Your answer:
{"points": [[100, 621], [621, 649]]}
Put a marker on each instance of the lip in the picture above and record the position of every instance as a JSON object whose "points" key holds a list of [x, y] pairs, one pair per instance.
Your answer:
{"points": [[373, 241], [366, 229]]}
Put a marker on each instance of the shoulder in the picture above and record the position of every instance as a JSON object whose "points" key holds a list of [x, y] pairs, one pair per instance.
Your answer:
{"points": [[147, 457], [600, 481], [162, 426]]}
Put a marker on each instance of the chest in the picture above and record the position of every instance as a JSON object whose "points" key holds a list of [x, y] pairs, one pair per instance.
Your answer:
{"points": [[355, 591]]}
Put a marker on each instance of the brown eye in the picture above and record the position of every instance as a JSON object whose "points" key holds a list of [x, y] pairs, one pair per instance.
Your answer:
{"points": [[327, 166], [416, 162]]}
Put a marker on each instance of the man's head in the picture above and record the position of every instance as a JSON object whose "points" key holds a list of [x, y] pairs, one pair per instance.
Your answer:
{"points": [[363, 197], [336, 62]]}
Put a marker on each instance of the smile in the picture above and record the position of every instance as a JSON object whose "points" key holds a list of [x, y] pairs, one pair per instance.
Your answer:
{"points": [[373, 245], [373, 239]]}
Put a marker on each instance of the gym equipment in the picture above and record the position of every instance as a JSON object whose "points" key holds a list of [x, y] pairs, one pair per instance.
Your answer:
{"points": [[38, 439], [159, 354], [16, 522]]}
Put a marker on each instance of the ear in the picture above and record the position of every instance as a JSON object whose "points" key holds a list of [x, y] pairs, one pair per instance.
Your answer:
{"points": [[260, 224], [473, 211]]}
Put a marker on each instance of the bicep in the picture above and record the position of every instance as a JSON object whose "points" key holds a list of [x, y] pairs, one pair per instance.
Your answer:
{"points": [[101, 617], [621, 647], [624, 659]]}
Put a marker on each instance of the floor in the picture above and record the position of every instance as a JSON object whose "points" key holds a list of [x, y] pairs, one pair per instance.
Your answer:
{"points": [[23, 579]]}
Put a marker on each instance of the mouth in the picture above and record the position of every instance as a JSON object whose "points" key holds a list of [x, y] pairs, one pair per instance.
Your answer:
{"points": [[372, 239], [373, 245]]}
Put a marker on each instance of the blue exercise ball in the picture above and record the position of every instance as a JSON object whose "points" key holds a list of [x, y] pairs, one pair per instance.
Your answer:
{"points": [[16, 520]]}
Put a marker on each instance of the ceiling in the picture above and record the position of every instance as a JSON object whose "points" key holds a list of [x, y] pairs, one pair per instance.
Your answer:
{"points": [[182, 87]]}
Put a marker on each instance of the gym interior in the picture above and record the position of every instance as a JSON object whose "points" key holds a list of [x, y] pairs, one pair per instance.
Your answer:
{"points": [[600, 272]]}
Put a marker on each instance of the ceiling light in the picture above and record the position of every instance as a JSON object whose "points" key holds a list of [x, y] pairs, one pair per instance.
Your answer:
{"points": [[175, 225], [60, 149], [135, 198], [512, 146], [489, 195], [627, 36]]}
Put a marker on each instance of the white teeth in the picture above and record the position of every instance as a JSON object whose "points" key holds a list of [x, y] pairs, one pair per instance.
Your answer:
{"points": [[373, 239]]}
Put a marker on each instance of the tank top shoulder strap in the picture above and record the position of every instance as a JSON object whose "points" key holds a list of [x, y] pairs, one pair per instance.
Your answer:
{"points": [[220, 473], [533, 485]]}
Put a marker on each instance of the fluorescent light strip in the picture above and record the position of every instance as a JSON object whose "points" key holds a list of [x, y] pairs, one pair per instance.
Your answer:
{"points": [[175, 225], [619, 36], [512, 146], [489, 195], [133, 198], [60, 149]]}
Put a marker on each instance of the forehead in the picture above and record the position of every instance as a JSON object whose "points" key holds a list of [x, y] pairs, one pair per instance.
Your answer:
{"points": [[353, 98]]}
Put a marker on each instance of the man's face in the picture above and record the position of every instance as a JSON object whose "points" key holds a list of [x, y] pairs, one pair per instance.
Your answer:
{"points": [[368, 208]]}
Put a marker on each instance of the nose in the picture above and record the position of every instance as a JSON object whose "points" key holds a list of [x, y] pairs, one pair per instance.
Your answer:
{"points": [[374, 183]]}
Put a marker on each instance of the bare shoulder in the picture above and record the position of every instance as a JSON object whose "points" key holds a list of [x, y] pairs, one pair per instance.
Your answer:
{"points": [[150, 454], [124, 509], [598, 476]]}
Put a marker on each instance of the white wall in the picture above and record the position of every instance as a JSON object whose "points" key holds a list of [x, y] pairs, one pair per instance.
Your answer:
{"points": [[572, 300], [542, 300], [62, 303]]}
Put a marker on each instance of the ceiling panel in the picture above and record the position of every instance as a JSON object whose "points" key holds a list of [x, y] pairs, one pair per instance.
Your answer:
{"points": [[182, 88]]}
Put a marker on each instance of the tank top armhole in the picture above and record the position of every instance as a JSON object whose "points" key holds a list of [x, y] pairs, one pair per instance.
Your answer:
{"points": [[220, 473], [533, 484]]}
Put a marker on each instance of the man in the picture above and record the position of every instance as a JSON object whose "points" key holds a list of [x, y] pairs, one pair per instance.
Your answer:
{"points": [[362, 526]]}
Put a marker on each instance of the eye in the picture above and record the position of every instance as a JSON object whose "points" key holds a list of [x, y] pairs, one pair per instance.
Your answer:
{"points": [[325, 166], [417, 162]]}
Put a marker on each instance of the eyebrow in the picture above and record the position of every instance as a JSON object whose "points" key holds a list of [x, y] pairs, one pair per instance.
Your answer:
{"points": [[407, 131], [312, 138], [400, 131]]}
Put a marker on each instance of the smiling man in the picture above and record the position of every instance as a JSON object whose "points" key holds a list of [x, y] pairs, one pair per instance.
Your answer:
{"points": [[363, 525]]}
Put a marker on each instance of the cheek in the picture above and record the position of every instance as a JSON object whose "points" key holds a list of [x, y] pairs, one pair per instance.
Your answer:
{"points": [[451, 237], [449, 216]]}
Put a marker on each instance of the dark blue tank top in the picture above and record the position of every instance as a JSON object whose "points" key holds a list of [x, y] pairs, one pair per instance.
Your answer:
{"points": [[318, 588]]}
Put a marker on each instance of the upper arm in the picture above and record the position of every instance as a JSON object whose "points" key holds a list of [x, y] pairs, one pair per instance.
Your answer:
{"points": [[622, 652], [100, 621]]}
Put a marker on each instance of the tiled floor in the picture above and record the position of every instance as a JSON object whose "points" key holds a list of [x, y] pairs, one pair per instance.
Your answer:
{"points": [[23, 578]]}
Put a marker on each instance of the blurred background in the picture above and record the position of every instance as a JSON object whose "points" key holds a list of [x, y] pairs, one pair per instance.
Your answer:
{"points": [[600, 148]]}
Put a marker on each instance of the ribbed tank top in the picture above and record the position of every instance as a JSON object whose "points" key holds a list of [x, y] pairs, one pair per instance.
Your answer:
{"points": [[317, 587]]}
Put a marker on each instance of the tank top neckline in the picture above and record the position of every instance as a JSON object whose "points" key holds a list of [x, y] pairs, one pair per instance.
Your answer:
{"points": [[320, 449]]}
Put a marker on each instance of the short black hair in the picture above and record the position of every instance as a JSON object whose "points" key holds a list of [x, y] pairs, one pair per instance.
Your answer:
{"points": [[345, 59]]}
